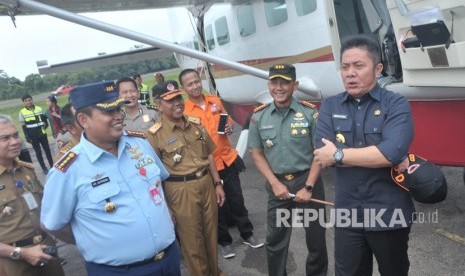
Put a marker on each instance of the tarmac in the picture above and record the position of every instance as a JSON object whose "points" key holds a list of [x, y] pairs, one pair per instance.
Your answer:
{"points": [[436, 246]]}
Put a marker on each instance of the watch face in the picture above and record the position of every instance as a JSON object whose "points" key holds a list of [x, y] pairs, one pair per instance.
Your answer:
{"points": [[338, 155], [16, 254]]}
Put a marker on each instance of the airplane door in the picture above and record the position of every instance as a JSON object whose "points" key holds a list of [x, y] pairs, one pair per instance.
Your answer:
{"points": [[333, 30]]}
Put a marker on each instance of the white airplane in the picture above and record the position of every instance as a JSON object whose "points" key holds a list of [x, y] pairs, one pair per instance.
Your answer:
{"points": [[234, 42]]}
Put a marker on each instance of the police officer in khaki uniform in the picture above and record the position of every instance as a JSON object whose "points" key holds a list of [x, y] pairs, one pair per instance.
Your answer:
{"points": [[21, 239], [283, 131], [138, 117], [194, 187], [74, 129]]}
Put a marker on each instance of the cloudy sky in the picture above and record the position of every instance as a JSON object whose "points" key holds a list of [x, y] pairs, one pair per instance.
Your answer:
{"points": [[42, 37]]}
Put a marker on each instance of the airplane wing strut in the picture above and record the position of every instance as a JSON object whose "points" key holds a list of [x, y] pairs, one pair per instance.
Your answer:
{"points": [[310, 88]]}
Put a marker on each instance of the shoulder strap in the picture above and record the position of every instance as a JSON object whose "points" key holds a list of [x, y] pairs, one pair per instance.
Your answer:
{"points": [[153, 129], [65, 162], [263, 106], [136, 134]]}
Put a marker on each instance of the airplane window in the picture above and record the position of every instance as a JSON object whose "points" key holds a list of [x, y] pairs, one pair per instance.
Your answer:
{"points": [[221, 28], [245, 19], [275, 12], [209, 37], [304, 7]]}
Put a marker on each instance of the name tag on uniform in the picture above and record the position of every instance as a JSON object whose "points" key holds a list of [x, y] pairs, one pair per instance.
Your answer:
{"points": [[267, 127], [172, 140], [30, 200], [100, 181], [339, 116]]}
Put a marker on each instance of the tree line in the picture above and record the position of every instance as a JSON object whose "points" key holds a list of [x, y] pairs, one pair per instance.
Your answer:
{"points": [[13, 88]]}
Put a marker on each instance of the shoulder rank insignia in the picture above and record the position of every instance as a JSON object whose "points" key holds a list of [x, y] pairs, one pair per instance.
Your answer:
{"points": [[66, 147], [195, 120], [153, 129], [66, 161], [26, 164], [263, 106], [151, 106], [306, 103], [136, 134]]}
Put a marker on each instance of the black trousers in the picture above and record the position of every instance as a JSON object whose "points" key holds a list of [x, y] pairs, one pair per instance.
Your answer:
{"points": [[354, 250], [234, 206], [36, 142]]}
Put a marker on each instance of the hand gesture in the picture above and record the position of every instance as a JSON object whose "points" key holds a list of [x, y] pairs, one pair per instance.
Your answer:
{"points": [[220, 195], [280, 191], [35, 255]]}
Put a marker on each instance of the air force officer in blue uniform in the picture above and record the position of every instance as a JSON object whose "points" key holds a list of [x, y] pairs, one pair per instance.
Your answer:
{"points": [[106, 195]]}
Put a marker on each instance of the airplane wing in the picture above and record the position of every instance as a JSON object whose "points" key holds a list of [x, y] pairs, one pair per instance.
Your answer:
{"points": [[106, 60]]}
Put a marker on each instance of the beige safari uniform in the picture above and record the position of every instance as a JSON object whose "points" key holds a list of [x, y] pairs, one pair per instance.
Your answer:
{"points": [[19, 223], [62, 139], [65, 148], [193, 203], [144, 119]]}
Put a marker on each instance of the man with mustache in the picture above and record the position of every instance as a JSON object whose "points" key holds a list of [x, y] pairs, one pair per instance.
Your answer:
{"points": [[193, 189], [107, 192], [138, 117]]}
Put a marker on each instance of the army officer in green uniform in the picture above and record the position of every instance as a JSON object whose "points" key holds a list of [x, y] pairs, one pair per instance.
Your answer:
{"points": [[281, 143]]}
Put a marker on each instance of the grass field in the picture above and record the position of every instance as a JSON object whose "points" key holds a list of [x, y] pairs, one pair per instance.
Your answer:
{"points": [[12, 107]]}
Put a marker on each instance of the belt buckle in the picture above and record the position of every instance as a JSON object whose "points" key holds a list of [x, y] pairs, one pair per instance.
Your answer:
{"points": [[199, 174], [289, 177], [37, 239], [159, 256]]}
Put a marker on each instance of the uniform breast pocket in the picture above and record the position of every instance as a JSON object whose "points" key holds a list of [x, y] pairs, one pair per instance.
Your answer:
{"points": [[173, 154], [299, 132], [9, 202], [343, 129], [99, 195], [153, 174], [268, 137], [373, 133]]}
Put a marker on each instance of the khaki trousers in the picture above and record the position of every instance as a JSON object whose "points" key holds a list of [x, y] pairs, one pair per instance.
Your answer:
{"points": [[195, 209]]}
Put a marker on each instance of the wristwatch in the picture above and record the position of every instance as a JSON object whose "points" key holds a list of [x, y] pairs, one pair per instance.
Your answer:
{"points": [[219, 182], [16, 254], [309, 187], [338, 155]]}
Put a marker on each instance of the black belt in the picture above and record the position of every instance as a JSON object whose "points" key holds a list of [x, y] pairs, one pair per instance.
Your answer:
{"points": [[37, 239], [290, 176], [189, 177], [157, 257]]}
